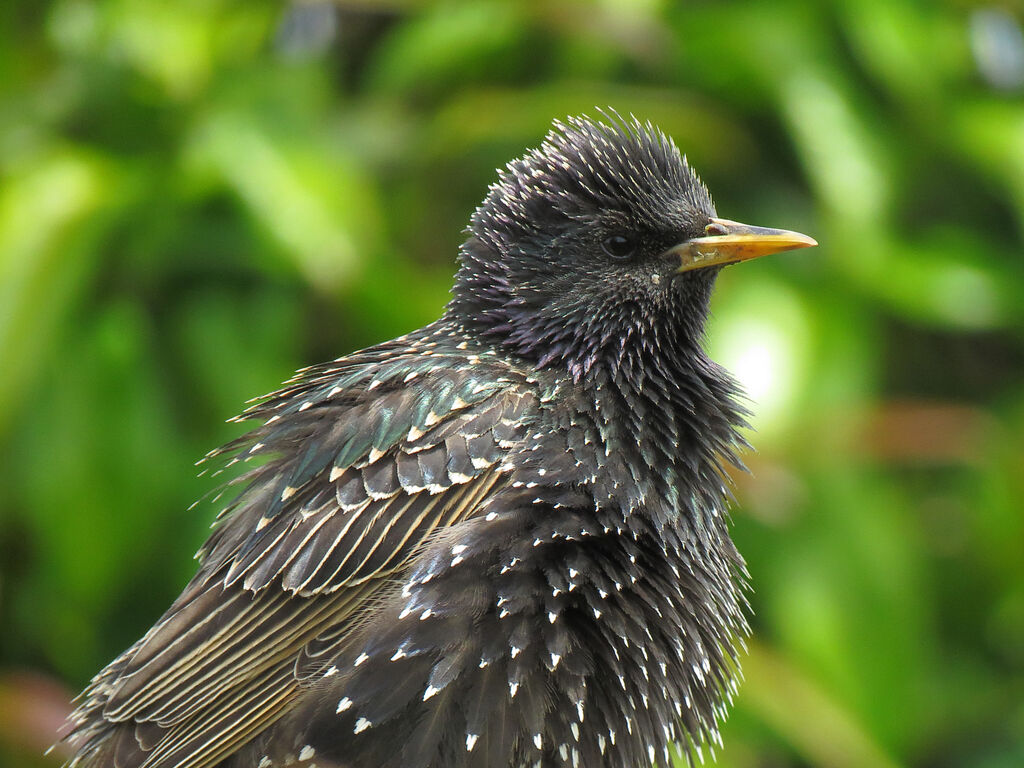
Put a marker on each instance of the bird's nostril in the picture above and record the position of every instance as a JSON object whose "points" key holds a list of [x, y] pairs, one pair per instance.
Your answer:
{"points": [[714, 229]]}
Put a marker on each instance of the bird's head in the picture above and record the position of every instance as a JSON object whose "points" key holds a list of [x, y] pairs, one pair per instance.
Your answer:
{"points": [[599, 248]]}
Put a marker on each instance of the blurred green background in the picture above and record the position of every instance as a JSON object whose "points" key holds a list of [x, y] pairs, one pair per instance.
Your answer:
{"points": [[196, 198]]}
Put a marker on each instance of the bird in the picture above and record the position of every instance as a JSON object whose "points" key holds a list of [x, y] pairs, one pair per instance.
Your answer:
{"points": [[499, 541]]}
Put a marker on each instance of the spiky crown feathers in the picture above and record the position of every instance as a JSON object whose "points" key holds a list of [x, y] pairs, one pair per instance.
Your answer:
{"points": [[517, 286]]}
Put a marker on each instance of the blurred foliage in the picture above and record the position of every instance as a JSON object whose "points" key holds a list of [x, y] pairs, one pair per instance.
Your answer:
{"points": [[198, 197]]}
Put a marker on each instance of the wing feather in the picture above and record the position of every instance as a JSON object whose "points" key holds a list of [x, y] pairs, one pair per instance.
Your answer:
{"points": [[222, 728], [358, 476]]}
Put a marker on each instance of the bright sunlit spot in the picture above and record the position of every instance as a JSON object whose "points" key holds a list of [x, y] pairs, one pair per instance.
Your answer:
{"points": [[755, 367], [760, 336]]}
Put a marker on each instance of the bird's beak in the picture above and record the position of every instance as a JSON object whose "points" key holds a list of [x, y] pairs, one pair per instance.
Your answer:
{"points": [[729, 242]]}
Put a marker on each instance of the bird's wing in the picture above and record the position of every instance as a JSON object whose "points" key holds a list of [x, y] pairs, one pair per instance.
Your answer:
{"points": [[364, 462]]}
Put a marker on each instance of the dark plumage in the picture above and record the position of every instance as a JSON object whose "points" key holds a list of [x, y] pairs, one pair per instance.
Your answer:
{"points": [[498, 541]]}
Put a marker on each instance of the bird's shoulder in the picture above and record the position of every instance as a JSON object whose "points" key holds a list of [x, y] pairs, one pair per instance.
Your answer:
{"points": [[410, 433]]}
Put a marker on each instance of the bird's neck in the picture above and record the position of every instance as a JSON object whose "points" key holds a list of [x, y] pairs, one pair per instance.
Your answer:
{"points": [[675, 422]]}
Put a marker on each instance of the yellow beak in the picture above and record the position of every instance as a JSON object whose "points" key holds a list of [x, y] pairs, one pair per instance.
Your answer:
{"points": [[729, 242]]}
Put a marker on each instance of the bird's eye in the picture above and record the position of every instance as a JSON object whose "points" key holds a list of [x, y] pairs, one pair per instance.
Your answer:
{"points": [[619, 247]]}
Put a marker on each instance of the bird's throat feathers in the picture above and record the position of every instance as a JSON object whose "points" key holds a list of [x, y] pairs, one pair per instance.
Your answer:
{"points": [[679, 425]]}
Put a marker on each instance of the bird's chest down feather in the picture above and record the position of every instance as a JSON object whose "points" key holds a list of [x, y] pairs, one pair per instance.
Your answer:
{"points": [[555, 628]]}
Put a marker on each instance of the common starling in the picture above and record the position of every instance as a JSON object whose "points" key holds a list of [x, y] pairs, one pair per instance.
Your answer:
{"points": [[498, 541]]}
